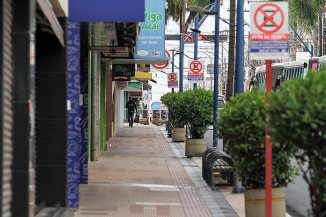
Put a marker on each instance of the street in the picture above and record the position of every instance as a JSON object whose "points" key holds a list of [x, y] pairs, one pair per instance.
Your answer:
{"points": [[296, 194]]}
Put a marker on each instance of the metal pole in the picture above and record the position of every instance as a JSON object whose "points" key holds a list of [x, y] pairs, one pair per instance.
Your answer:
{"points": [[205, 16], [196, 43], [94, 147], [268, 147], [216, 59], [181, 63], [312, 50], [239, 47]]}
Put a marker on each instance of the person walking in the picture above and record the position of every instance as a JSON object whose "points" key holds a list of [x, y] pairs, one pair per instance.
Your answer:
{"points": [[131, 106]]}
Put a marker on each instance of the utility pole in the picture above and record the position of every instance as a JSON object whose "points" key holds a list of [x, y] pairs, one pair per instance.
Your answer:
{"points": [[239, 53]]}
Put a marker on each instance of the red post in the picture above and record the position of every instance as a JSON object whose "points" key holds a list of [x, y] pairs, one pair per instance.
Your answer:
{"points": [[172, 90], [268, 147]]}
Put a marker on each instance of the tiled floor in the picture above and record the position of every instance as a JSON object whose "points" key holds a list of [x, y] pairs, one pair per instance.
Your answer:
{"points": [[140, 175]]}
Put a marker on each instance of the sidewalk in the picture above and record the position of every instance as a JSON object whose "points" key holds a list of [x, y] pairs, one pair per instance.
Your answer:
{"points": [[144, 173]]}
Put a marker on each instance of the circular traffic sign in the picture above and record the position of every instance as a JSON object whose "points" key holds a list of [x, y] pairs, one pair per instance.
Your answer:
{"points": [[269, 18], [162, 66], [196, 66], [122, 84], [172, 76]]}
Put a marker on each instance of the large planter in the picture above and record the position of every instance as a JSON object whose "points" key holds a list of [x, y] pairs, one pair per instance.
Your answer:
{"points": [[195, 147], [179, 135], [255, 202]]}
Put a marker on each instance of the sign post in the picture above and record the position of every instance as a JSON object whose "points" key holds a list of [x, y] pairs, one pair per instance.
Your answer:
{"points": [[269, 40]]}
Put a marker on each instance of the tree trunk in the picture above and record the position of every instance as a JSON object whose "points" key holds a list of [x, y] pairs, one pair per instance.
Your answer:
{"points": [[231, 68], [183, 18]]}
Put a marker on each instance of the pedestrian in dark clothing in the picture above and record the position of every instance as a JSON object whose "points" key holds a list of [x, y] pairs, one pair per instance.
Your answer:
{"points": [[131, 106]]}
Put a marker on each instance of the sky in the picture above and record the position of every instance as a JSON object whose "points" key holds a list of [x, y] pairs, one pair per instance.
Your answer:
{"points": [[205, 51]]}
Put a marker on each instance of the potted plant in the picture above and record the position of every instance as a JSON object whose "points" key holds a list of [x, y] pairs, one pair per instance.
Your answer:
{"points": [[175, 113], [298, 118], [242, 123], [197, 107]]}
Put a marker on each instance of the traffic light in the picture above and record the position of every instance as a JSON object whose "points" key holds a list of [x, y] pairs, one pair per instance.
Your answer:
{"points": [[202, 37]]}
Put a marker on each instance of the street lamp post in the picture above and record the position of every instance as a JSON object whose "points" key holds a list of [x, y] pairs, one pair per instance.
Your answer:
{"points": [[216, 62]]}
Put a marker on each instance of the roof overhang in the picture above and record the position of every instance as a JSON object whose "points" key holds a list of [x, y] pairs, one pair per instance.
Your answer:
{"points": [[109, 61]]}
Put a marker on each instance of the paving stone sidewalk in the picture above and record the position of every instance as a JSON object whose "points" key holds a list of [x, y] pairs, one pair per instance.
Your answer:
{"points": [[143, 174]]}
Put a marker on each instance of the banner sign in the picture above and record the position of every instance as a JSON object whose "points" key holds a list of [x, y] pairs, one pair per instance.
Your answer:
{"points": [[83, 114], [151, 40], [172, 80], [196, 71], [123, 72], [106, 11], [73, 116], [269, 34]]}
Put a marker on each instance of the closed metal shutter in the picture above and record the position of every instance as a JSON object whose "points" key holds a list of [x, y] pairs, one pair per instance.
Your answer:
{"points": [[6, 106]]}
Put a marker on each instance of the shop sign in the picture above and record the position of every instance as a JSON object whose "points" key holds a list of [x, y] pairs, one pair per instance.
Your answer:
{"points": [[151, 40], [123, 72]]}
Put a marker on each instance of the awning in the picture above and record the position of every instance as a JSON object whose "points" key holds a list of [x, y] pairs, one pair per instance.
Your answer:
{"points": [[109, 61], [142, 76], [47, 9]]}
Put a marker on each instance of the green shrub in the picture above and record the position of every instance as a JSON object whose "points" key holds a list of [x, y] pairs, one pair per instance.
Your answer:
{"points": [[242, 124], [197, 109], [298, 118], [175, 108]]}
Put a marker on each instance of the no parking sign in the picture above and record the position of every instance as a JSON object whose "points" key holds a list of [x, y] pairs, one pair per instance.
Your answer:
{"points": [[196, 71], [172, 80], [269, 35]]}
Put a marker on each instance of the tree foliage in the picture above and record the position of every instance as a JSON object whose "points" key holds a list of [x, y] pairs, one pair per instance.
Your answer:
{"points": [[174, 10], [305, 12]]}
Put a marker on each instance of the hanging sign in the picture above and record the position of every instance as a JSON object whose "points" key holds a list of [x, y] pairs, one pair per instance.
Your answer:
{"points": [[151, 40], [269, 34], [123, 72], [196, 71], [172, 80], [121, 84]]}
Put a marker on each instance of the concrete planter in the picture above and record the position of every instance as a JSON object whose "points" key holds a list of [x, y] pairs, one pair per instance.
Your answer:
{"points": [[179, 135], [195, 147], [255, 202]]}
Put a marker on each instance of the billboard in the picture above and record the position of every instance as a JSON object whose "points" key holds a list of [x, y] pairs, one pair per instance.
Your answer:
{"points": [[106, 10]]}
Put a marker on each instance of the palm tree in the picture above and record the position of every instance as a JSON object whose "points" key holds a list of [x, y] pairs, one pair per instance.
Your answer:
{"points": [[308, 15], [176, 10]]}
